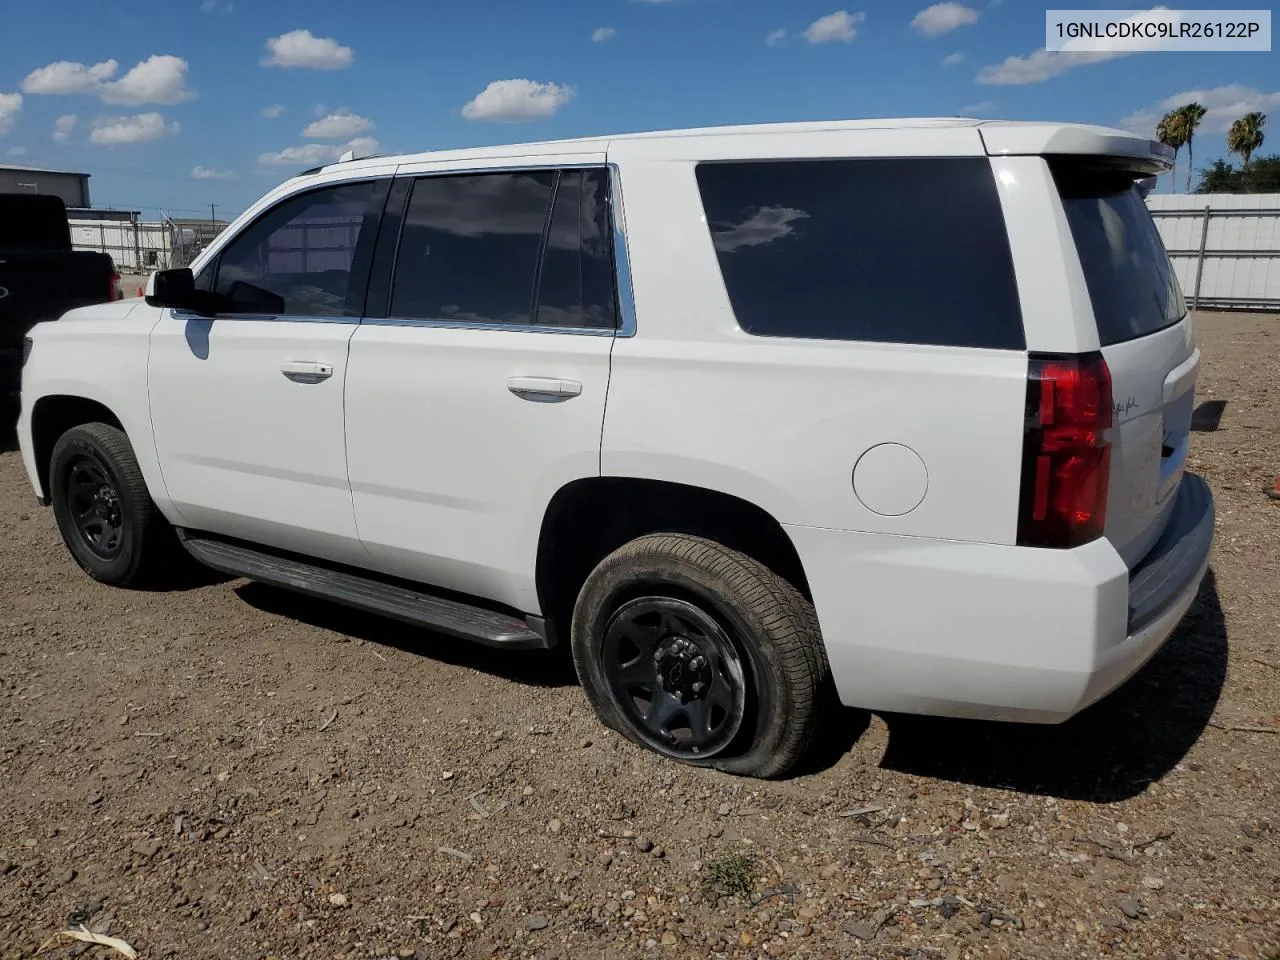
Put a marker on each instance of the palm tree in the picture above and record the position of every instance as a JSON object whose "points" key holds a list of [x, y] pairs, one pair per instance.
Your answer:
{"points": [[1245, 135], [1171, 133], [1191, 115]]}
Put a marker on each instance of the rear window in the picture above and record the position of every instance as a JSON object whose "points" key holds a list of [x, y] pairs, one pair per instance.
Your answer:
{"points": [[885, 250], [1131, 282]]}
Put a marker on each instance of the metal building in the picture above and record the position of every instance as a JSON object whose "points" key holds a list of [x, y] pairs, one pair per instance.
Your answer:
{"points": [[73, 188]]}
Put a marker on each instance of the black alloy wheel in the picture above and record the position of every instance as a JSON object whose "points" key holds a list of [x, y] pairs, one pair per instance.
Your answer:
{"points": [[677, 676], [104, 511], [95, 506]]}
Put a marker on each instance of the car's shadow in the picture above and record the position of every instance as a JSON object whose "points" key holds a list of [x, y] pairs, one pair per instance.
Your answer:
{"points": [[1109, 752], [539, 668], [8, 426]]}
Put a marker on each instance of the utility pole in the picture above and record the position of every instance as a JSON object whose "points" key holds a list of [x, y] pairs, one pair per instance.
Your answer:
{"points": [[213, 215]]}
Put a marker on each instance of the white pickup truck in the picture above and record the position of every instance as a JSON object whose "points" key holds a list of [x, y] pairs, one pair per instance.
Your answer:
{"points": [[757, 419]]}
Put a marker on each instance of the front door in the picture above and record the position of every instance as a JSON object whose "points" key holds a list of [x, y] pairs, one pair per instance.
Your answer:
{"points": [[476, 386], [247, 406]]}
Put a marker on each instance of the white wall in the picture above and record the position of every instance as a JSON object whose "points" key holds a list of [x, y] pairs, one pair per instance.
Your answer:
{"points": [[1241, 265], [127, 248]]}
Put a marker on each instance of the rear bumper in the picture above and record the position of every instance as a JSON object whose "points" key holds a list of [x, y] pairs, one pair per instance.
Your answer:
{"points": [[997, 632]]}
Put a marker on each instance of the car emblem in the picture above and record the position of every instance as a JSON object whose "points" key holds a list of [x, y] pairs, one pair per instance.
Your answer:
{"points": [[4, 292]]}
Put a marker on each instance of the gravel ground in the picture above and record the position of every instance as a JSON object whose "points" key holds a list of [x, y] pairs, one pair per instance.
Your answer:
{"points": [[231, 771]]}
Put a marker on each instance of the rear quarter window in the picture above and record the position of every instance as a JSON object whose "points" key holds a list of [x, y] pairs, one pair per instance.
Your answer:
{"points": [[901, 250], [1132, 286]]}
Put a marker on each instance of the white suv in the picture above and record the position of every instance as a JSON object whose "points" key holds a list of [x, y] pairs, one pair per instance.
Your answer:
{"points": [[893, 413]]}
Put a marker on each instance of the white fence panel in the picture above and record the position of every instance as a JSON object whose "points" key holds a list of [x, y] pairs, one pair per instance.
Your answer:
{"points": [[1225, 247], [135, 247]]}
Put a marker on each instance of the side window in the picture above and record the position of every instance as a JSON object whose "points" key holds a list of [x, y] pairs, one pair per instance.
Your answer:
{"points": [[204, 279], [576, 288], [901, 250], [507, 248], [470, 247], [296, 259]]}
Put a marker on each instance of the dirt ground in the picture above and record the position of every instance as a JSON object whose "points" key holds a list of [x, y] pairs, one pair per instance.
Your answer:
{"points": [[229, 771]]}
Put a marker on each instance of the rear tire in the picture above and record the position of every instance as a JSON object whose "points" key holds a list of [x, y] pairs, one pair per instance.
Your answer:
{"points": [[103, 510], [702, 654]]}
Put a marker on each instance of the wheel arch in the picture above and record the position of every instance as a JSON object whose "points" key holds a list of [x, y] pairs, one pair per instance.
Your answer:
{"points": [[52, 416], [589, 518]]}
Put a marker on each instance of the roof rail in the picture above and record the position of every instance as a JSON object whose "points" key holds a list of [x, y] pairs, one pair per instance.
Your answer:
{"points": [[345, 158]]}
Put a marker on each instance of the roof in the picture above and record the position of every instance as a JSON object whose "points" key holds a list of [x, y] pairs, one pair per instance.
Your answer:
{"points": [[1000, 136], [25, 169]]}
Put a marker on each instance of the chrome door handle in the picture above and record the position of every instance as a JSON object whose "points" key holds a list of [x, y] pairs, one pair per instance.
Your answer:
{"points": [[306, 371], [544, 389]]}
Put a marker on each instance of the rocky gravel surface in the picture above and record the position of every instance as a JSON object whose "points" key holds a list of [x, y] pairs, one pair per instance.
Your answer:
{"points": [[228, 771]]}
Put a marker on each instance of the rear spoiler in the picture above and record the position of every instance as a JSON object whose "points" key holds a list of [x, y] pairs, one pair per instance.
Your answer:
{"points": [[1142, 156]]}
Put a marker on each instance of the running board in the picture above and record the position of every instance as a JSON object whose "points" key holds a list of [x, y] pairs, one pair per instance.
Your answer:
{"points": [[452, 617]]}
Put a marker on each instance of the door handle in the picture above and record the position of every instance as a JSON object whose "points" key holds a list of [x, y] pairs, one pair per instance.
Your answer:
{"points": [[544, 389], [306, 371]]}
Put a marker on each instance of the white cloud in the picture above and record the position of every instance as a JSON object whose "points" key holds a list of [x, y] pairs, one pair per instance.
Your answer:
{"points": [[16, 152], [942, 18], [140, 128], [775, 37], [161, 78], [299, 48], [601, 34], [979, 109], [1045, 64], [65, 76], [314, 154], [1223, 105], [953, 59], [63, 126], [272, 111], [208, 6], [10, 107], [338, 126], [517, 100], [1041, 65], [838, 26], [208, 173], [158, 79], [763, 225]]}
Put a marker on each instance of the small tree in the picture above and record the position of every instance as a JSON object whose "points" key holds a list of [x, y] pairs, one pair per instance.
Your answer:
{"points": [[1263, 176], [1245, 136]]}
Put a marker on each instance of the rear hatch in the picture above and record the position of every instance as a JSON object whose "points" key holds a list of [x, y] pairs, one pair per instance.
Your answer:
{"points": [[1145, 334]]}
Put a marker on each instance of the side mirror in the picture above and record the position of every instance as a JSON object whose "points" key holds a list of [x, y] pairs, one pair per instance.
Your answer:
{"points": [[174, 288]]}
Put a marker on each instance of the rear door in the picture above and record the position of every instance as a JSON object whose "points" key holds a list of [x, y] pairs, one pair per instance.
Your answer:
{"points": [[1145, 334], [477, 379]]}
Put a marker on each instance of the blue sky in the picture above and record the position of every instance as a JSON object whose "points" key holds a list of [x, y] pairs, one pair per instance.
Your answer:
{"points": [[175, 104]]}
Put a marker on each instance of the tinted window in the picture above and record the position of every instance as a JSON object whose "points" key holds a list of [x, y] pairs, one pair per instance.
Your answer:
{"points": [[887, 250], [469, 248], [296, 259], [576, 289], [1131, 282]]}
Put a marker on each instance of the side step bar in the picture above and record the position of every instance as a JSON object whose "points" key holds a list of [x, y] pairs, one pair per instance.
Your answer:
{"points": [[452, 617]]}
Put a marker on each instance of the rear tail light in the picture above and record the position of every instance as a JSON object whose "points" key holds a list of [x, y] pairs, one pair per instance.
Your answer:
{"points": [[115, 292], [1066, 450]]}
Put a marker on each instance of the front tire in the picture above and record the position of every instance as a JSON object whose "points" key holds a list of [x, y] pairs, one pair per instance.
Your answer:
{"points": [[702, 654], [106, 516]]}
